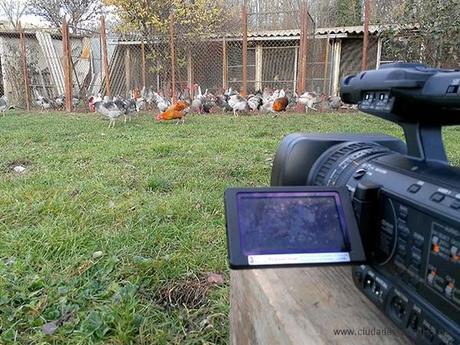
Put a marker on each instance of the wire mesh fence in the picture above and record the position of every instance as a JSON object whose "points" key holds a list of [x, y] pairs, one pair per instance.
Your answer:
{"points": [[260, 47]]}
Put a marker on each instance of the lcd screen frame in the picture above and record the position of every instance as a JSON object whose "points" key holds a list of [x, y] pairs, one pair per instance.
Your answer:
{"points": [[346, 249]]}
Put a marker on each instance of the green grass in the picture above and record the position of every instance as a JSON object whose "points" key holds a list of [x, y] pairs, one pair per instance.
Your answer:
{"points": [[149, 196]]}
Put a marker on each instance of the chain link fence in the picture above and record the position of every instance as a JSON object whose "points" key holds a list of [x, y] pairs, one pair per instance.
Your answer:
{"points": [[284, 50]]}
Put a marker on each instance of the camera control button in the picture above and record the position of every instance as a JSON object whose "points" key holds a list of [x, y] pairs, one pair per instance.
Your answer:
{"points": [[414, 188], [455, 205], [359, 173], [437, 197]]}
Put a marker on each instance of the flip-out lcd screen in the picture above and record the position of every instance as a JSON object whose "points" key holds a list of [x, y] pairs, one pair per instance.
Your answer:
{"points": [[291, 226]]}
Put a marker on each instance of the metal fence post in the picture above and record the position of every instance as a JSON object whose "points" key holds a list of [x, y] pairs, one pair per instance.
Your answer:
{"points": [[366, 35], [22, 42], [67, 66], [224, 65], [105, 58], [302, 51], [244, 89], [173, 57], [143, 62], [326, 66]]}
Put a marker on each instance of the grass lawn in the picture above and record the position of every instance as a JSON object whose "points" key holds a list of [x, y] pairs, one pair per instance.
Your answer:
{"points": [[111, 232]]}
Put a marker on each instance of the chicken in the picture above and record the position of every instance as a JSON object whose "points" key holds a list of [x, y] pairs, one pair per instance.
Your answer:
{"points": [[197, 103], [106, 107], [59, 101], [280, 104], [223, 104], [178, 106], [310, 99], [335, 102], [43, 102], [4, 104], [238, 104], [255, 101], [172, 114], [161, 102], [209, 102]]}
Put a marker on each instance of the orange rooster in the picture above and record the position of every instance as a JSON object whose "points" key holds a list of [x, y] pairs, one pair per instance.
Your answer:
{"points": [[178, 106], [280, 104], [176, 111]]}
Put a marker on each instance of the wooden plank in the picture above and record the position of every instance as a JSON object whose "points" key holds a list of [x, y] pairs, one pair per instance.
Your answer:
{"points": [[304, 306], [259, 67], [336, 66], [224, 65], [67, 66], [326, 65], [244, 13], [173, 57], [54, 62], [366, 35], [128, 71], [143, 63], [105, 56], [25, 70]]}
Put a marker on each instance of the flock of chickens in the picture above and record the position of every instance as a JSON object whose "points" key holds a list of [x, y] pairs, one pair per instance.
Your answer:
{"points": [[268, 101]]}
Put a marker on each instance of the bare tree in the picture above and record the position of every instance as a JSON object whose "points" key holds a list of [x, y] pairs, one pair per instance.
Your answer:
{"points": [[13, 10], [78, 12]]}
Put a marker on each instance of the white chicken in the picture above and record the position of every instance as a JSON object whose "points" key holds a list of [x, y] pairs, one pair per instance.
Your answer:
{"points": [[4, 104], [162, 103], [310, 99], [238, 104]]}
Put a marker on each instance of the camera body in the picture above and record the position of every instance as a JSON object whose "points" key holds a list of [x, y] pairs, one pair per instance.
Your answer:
{"points": [[406, 197]]}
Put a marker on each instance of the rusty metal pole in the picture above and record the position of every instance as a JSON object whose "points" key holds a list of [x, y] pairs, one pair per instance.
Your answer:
{"points": [[22, 42], [303, 49], [244, 88], [366, 35], [224, 64], [304, 56], [299, 59], [67, 66], [105, 57], [173, 57], [326, 66], [143, 62]]}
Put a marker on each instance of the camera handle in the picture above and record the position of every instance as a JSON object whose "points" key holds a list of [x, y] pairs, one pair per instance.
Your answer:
{"points": [[424, 141]]}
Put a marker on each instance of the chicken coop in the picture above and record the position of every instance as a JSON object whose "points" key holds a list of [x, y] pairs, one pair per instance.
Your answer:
{"points": [[272, 61]]}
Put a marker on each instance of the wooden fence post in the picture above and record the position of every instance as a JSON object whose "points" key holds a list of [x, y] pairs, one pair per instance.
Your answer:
{"points": [[224, 64], [326, 66], [244, 88], [128, 71], [143, 62], [302, 58], [67, 66], [105, 57], [366, 35], [22, 42], [304, 51], [173, 57]]}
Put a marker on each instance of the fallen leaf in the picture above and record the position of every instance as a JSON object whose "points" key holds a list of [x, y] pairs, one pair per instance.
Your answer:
{"points": [[51, 327], [214, 278]]}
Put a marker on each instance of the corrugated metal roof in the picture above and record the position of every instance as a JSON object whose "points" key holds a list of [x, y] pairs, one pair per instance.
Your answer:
{"points": [[350, 30]]}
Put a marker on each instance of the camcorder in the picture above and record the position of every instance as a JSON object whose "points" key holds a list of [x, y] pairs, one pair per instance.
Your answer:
{"points": [[391, 209]]}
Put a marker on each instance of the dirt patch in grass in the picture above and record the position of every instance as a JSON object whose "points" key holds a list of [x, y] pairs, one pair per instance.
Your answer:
{"points": [[190, 292], [24, 162]]}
